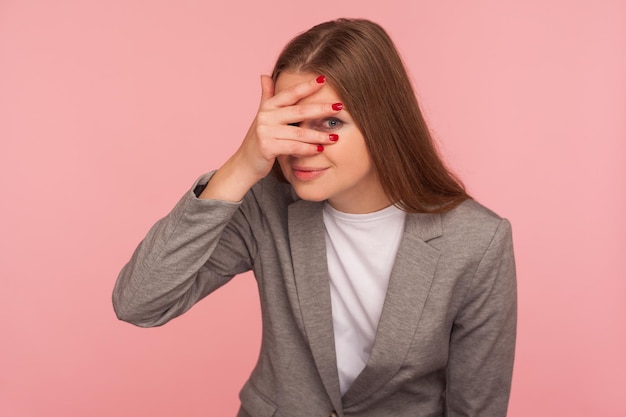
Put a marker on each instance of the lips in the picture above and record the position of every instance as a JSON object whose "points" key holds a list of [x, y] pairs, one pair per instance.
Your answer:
{"points": [[307, 174]]}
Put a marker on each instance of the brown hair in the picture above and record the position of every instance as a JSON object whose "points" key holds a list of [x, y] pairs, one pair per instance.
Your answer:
{"points": [[362, 64]]}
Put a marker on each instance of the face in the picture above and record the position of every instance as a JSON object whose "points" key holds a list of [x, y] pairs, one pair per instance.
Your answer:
{"points": [[343, 173]]}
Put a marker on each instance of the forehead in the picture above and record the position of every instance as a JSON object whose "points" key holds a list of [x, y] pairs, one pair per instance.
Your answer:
{"points": [[287, 79]]}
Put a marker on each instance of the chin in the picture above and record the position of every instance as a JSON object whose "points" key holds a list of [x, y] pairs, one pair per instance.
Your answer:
{"points": [[310, 195]]}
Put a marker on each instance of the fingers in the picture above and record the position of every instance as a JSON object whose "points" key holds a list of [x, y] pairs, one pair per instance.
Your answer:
{"points": [[293, 94], [309, 112], [280, 133], [294, 115], [283, 106], [284, 127], [292, 140], [297, 134]]}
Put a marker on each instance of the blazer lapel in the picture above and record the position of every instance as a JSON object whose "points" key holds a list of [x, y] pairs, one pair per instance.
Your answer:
{"points": [[308, 250], [409, 284]]}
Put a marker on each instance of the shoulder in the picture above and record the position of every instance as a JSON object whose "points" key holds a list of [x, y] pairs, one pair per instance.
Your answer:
{"points": [[471, 218], [470, 228]]}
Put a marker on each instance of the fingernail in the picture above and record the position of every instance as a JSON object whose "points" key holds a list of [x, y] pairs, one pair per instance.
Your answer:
{"points": [[320, 148], [333, 137], [337, 106], [320, 79]]}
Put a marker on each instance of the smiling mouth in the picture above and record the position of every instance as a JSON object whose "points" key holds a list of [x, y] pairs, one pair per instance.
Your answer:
{"points": [[308, 174]]}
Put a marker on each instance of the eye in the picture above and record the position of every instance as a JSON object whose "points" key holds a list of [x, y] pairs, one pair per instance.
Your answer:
{"points": [[296, 124], [331, 123]]}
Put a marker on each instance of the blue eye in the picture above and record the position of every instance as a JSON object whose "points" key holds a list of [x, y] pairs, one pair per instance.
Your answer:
{"points": [[332, 123]]}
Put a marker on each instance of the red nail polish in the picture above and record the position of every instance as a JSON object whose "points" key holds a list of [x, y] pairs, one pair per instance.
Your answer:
{"points": [[333, 137], [320, 148], [321, 79], [337, 106]]}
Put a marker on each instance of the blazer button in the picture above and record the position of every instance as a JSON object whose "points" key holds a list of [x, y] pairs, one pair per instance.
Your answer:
{"points": [[333, 414]]}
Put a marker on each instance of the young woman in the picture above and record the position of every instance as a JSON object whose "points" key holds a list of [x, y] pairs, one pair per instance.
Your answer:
{"points": [[385, 289]]}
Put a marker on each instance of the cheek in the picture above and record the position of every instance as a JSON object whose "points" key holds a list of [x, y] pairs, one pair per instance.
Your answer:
{"points": [[353, 152]]}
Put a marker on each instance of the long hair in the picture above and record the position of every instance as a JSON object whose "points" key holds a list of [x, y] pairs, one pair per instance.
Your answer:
{"points": [[360, 61]]}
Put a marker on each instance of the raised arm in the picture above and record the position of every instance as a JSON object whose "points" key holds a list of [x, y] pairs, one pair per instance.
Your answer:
{"points": [[170, 269], [207, 239]]}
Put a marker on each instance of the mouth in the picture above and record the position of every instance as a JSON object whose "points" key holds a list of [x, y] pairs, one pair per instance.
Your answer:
{"points": [[307, 174]]}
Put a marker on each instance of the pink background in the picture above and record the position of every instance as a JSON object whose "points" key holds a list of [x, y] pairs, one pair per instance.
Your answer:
{"points": [[110, 109]]}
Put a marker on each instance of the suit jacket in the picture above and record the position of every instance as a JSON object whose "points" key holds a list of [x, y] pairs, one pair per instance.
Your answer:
{"points": [[445, 340]]}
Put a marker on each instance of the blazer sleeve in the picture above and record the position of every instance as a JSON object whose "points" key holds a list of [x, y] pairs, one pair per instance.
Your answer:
{"points": [[482, 344], [198, 247]]}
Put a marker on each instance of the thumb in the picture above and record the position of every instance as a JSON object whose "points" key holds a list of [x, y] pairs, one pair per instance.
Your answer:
{"points": [[267, 87]]}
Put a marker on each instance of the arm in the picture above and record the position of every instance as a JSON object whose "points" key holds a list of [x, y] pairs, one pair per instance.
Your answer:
{"points": [[206, 240], [482, 344], [179, 261]]}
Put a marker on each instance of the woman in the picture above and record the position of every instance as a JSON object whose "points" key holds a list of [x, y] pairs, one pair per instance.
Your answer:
{"points": [[385, 290]]}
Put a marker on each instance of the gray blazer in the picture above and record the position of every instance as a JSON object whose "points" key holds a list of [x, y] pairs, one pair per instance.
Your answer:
{"points": [[446, 338]]}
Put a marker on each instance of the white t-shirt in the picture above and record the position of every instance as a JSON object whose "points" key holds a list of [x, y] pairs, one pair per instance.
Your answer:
{"points": [[361, 250]]}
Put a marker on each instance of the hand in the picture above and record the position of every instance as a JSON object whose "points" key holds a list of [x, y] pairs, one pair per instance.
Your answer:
{"points": [[274, 131]]}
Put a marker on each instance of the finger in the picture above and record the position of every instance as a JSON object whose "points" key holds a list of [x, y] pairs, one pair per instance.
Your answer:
{"points": [[299, 149], [302, 112], [267, 88], [289, 140], [299, 134], [292, 95]]}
